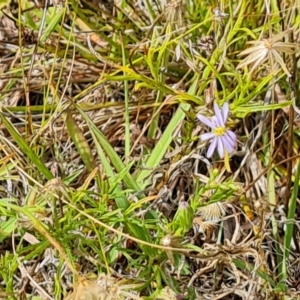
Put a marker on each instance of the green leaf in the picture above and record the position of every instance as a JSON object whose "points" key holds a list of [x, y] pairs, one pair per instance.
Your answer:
{"points": [[7, 227], [141, 232], [26, 149], [247, 266], [80, 143], [161, 146], [290, 222], [55, 18], [110, 152]]}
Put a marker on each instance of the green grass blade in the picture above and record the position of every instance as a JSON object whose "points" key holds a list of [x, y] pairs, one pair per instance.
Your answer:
{"points": [[56, 16], [126, 98], [113, 179], [110, 152], [165, 140], [162, 145], [25, 148], [243, 265], [80, 143], [290, 224]]}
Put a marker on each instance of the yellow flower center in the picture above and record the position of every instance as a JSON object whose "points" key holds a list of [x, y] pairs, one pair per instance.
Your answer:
{"points": [[219, 131]]}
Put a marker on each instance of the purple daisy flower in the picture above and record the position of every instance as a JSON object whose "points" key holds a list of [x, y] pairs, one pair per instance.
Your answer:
{"points": [[221, 138]]}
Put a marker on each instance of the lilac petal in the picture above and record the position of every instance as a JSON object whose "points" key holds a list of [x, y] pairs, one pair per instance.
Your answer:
{"points": [[206, 121], [231, 135], [214, 119], [212, 147], [225, 111], [228, 144], [206, 136], [220, 147], [218, 113], [229, 147]]}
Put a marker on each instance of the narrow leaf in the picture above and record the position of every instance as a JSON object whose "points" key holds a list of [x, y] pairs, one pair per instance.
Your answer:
{"points": [[80, 143], [162, 145], [110, 152], [26, 149]]}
